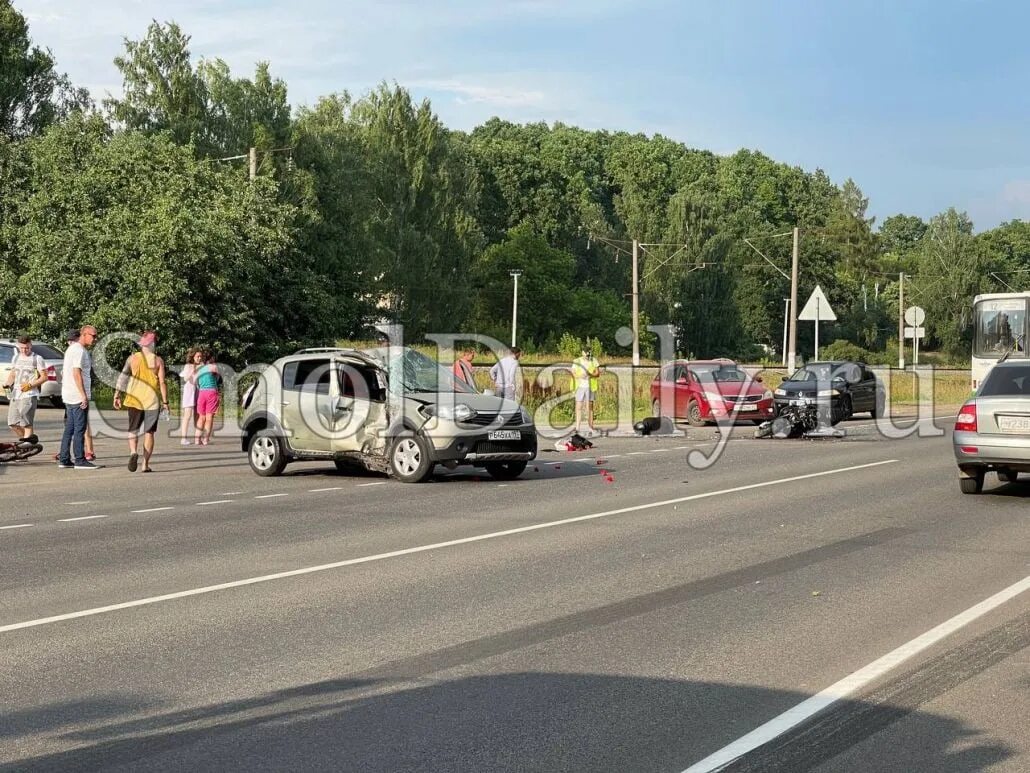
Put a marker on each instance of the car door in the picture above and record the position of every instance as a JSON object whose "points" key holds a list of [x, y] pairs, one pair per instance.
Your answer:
{"points": [[307, 413], [681, 386], [358, 405]]}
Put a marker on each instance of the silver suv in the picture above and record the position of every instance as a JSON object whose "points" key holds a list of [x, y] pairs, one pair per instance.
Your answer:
{"points": [[393, 410]]}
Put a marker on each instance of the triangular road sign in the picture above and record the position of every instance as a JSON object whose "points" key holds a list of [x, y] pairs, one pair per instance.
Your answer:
{"points": [[817, 308]]}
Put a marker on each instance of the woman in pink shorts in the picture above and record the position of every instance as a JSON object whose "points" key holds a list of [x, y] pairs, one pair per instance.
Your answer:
{"points": [[207, 399]]}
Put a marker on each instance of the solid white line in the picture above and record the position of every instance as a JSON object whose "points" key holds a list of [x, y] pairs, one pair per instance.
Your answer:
{"points": [[16, 526], [425, 548], [377, 483], [854, 682], [216, 502], [613, 456], [86, 502], [269, 496], [153, 509], [331, 488], [81, 518], [636, 453], [230, 493]]}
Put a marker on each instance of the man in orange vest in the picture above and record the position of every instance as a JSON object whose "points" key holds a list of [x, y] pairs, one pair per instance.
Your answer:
{"points": [[142, 377]]}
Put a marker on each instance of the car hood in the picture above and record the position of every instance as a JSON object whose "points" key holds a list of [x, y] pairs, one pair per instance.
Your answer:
{"points": [[478, 402], [796, 387]]}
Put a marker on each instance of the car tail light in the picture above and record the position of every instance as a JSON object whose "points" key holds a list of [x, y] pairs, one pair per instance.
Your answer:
{"points": [[51, 373], [966, 419]]}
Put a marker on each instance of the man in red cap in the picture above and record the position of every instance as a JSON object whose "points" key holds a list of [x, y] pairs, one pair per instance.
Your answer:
{"points": [[142, 377]]}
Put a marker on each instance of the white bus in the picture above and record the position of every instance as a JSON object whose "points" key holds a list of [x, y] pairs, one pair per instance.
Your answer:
{"points": [[999, 327]]}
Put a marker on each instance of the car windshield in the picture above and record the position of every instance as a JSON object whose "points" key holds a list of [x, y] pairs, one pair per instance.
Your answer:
{"points": [[1009, 381], [47, 352], [721, 373], [424, 374], [818, 372]]}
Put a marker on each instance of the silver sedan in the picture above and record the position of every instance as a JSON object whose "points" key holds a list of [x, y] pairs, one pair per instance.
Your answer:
{"points": [[992, 431]]}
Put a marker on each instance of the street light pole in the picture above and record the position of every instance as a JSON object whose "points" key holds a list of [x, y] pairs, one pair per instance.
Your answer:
{"points": [[793, 344], [515, 273], [636, 303], [786, 312]]}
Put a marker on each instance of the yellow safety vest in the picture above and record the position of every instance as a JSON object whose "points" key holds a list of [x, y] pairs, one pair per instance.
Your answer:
{"points": [[586, 367]]}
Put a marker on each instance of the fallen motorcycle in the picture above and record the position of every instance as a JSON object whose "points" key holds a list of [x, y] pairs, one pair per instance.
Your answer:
{"points": [[801, 418], [20, 449]]}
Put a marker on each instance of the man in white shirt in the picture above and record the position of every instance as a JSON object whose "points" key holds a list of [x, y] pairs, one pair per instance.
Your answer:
{"points": [[507, 376], [76, 393], [27, 375]]}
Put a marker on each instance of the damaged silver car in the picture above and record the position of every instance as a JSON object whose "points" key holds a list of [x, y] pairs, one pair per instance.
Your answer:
{"points": [[391, 410]]}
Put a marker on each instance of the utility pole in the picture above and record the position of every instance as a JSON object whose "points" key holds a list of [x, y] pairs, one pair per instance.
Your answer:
{"points": [[253, 164], [786, 323], [901, 320], [636, 303], [515, 273], [793, 346]]}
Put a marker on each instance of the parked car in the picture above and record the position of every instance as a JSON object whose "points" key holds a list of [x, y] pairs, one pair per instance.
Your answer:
{"points": [[391, 410], [842, 388], [53, 359], [992, 431], [710, 390]]}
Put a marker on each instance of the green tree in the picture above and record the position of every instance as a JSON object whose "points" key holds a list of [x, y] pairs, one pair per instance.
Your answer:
{"points": [[33, 95]]}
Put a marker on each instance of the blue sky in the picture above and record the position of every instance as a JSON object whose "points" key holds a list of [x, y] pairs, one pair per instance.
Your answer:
{"points": [[924, 104]]}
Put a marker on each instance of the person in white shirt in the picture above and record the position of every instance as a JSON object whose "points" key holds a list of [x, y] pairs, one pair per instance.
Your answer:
{"points": [[27, 375], [76, 393], [507, 376]]}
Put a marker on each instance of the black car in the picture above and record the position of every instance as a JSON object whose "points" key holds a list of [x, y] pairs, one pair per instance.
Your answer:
{"points": [[842, 387]]}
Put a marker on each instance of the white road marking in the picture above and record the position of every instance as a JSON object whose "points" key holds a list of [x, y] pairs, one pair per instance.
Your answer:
{"points": [[854, 682], [424, 548], [270, 496], [153, 509], [659, 450], [85, 502], [636, 453], [613, 456], [377, 483], [81, 518], [331, 488], [16, 526], [501, 485], [217, 502], [230, 493]]}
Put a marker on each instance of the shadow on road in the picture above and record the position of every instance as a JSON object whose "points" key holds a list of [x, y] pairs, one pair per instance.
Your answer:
{"points": [[509, 722]]}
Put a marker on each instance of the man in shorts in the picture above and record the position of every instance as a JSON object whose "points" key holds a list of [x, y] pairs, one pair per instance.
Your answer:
{"points": [[142, 377], [27, 375], [586, 372]]}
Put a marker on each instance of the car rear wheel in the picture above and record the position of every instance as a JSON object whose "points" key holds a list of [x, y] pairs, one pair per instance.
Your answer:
{"points": [[409, 459], [506, 470], [1008, 476], [656, 408], [694, 417], [266, 454], [973, 484]]}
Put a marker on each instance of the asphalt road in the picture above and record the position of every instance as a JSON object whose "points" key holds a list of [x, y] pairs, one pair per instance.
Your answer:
{"points": [[202, 618]]}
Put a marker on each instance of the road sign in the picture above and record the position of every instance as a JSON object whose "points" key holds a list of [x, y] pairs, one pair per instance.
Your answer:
{"points": [[818, 308], [915, 332], [914, 316]]}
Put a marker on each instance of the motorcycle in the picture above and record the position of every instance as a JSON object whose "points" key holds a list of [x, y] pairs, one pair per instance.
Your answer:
{"points": [[20, 449], [800, 418]]}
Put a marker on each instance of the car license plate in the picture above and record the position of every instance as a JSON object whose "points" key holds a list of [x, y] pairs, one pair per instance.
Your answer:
{"points": [[1014, 423], [800, 401], [505, 434], [749, 407]]}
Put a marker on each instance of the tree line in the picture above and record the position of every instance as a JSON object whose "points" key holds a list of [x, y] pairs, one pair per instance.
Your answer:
{"points": [[140, 212]]}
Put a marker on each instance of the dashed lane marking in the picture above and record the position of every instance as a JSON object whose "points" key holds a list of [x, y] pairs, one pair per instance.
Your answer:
{"points": [[217, 502], [81, 518], [153, 510], [377, 483], [16, 526], [318, 490], [270, 496]]}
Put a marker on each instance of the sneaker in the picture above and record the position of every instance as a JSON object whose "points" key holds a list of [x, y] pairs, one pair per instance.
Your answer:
{"points": [[184, 442], [91, 457], [133, 462], [64, 465], [87, 466]]}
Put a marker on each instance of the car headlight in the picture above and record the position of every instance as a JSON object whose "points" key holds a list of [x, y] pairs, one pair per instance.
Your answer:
{"points": [[827, 393], [524, 415], [458, 412], [767, 395], [715, 398], [781, 392]]}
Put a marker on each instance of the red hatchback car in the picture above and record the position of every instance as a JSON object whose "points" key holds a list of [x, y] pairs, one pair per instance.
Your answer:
{"points": [[710, 390]]}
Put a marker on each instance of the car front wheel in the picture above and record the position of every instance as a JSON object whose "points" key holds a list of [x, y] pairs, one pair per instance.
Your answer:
{"points": [[409, 459], [265, 453], [694, 417]]}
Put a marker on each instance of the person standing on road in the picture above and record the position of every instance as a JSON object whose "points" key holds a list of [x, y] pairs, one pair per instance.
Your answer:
{"points": [[143, 375], [507, 376], [207, 399], [462, 368], [194, 360], [586, 372], [76, 391], [27, 375]]}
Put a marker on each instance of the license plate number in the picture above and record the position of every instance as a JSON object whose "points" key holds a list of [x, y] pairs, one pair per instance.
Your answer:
{"points": [[749, 407], [801, 401], [505, 434], [1014, 423]]}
